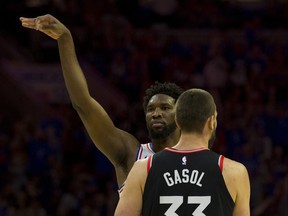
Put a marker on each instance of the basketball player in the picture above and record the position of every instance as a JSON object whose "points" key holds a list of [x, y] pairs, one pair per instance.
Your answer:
{"points": [[188, 179], [120, 147]]}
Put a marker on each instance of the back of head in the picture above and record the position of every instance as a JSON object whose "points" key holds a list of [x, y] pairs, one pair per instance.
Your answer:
{"points": [[166, 88], [193, 108]]}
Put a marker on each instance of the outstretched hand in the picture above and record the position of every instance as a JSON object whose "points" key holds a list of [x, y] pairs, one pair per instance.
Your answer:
{"points": [[47, 24]]}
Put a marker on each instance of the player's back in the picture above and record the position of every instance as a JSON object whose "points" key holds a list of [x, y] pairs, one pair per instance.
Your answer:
{"points": [[186, 183]]}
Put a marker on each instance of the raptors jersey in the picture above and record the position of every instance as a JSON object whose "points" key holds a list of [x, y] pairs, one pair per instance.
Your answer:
{"points": [[186, 183], [144, 151]]}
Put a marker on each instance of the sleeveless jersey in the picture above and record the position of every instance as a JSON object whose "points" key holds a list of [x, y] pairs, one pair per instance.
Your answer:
{"points": [[186, 183], [144, 151]]}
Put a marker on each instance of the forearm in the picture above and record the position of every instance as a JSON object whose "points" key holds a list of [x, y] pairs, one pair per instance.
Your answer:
{"points": [[95, 119], [73, 75], [109, 139]]}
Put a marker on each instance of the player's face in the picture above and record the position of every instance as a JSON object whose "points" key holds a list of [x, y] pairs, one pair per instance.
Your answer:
{"points": [[160, 116]]}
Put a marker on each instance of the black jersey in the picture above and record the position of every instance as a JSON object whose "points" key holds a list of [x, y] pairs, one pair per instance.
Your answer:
{"points": [[186, 183]]}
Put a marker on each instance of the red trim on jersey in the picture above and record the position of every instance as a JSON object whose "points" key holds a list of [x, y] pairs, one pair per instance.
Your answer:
{"points": [[149, 163], [140, 153], [221, 162], [150, 147], [143, 148], [186, 151]]}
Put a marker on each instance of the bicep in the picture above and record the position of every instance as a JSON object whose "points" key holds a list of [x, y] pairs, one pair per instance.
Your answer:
{"points": [[117, 145], [242, 202]]}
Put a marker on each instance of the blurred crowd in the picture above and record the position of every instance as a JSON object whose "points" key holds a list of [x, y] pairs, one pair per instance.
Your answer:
{"points": [[49, 165]]}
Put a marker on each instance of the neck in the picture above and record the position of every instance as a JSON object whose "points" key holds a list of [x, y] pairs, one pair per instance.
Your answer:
{"points": [[191, 141], [171, 140]]}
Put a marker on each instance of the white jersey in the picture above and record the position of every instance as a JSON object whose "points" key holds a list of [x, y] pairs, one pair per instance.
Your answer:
{"points": [[144, 151]]}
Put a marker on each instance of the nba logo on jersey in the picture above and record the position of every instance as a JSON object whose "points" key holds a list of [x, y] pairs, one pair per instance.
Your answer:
{"points": [[184, 160]]}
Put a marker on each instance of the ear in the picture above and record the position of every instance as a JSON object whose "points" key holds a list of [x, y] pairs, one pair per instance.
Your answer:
{"points": [[211, 122], [176, 122]]}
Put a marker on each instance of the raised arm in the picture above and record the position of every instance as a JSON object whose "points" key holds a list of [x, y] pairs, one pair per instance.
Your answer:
{"points": [[119, 146]]}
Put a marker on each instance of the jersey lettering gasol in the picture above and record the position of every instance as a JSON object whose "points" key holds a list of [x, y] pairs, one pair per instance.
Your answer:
{"points": [[184, 176]]}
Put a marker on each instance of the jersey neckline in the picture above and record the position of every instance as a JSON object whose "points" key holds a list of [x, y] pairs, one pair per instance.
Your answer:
{"points": [[186, 151]]}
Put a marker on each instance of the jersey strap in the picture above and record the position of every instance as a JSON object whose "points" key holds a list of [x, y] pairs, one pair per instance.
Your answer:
{"points": [[120, 189], [144, 151], [149, 163], [221, 162]]}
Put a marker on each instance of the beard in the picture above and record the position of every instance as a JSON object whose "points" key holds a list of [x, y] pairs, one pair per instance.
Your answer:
{"points": [[163, 132], [212, 139]]}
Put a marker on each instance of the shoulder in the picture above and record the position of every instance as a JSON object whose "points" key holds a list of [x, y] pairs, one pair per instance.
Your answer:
{"points": [[234, 167], [139, 168], [236, 178], [141, 163], [138, 173]]}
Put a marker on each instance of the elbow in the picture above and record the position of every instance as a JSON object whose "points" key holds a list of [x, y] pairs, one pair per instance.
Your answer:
{"points": [[77, 107]]}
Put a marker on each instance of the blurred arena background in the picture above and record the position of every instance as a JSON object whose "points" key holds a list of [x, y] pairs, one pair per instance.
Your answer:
{"points": [[236, 49]]}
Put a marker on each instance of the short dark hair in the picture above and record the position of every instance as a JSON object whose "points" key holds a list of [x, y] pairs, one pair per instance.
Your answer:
{"points": [[193, 109], [167, 88]]}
